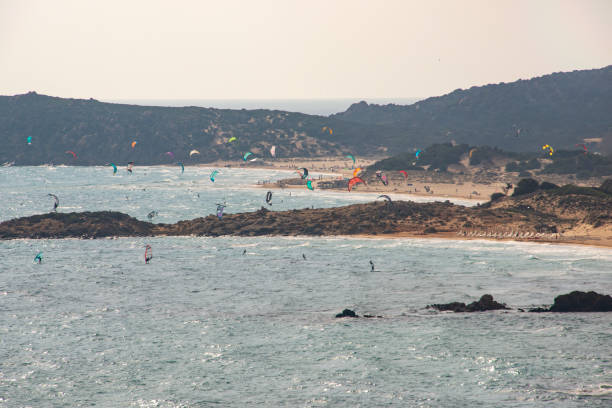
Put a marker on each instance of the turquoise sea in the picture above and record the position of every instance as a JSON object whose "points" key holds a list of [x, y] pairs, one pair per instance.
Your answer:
{"points": [[235, 321]]}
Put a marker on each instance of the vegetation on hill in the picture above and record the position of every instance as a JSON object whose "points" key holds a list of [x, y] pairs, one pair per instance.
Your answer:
{"points": [[583, 165], [560, 109], [100, 133], [439, 157]]}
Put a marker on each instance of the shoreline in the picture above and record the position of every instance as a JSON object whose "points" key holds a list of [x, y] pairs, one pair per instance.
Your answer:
{"points": [[450, 236], [439, 236]]}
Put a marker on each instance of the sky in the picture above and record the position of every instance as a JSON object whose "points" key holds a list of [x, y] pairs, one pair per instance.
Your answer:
{"points": [[269, 49]]}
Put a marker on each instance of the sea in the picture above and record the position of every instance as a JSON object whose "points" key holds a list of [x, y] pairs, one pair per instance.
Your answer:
{"points": [[313, 106], [250, 321]]}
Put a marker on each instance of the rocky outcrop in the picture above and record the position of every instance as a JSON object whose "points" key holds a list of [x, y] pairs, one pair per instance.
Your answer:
{"points": [[347, 313], [76, 225], [485, 303], [547, 213], [579, 302]]}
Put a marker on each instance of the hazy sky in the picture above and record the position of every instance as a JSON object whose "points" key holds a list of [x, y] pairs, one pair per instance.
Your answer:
{"points": [[292, 49]]}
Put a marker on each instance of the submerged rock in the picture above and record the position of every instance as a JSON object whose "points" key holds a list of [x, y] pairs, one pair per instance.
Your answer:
{"points": [[485, 303], [347, 313], [579, 302]]}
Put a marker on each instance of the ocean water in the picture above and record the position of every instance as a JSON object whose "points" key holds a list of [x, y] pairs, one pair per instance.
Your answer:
{"points": [[322, 107], [174, 195], [236, 321]]}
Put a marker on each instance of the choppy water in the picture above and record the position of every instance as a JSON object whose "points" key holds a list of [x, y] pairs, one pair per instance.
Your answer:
{"points": [[205, 325], [174, 195]]}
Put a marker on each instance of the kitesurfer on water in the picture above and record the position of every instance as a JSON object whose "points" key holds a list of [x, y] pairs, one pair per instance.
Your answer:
{"points": [[148, 254], [372, 265]]}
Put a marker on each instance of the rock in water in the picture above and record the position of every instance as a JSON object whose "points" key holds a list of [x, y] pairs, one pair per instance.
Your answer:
{"points": [[485, 303], [347, 313], [453, 306], [582, 302]]}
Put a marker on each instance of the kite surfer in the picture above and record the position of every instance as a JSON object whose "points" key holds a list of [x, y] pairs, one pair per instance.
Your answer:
{"points": [[372, 265], [148, 254]]}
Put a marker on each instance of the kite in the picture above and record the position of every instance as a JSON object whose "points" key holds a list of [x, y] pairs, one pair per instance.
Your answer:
{"points": [[417, 154], [471, 152], [327, 129], [405, 173], [354, 181], [29, 140], [309, 185], [220, 208], [273, 151], [269, 198], [194, 151], [74, 156], [148, 253], [213, 174], [386, 197], [38, 257], [383, 177], [583, 147], [550, 149], [356, 171], [231, 139], [350, 156], [246, 155], [304, 174], [56, 204], [134, 144]]}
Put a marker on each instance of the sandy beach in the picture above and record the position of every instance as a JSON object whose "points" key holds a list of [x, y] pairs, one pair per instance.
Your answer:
{"points": [[339, 168]]}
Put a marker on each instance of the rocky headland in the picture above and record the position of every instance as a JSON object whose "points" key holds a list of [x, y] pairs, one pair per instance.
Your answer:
{"points": [[541, 215]]}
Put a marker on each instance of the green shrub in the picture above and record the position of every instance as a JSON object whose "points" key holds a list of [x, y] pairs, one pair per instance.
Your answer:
{"points": [[497, 196], [525, 186], [548, 186]]}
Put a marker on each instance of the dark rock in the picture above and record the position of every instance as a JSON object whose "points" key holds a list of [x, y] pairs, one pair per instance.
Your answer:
{"points": [[453, 306], [347, 313], [579, 302], [582, 302], [539, 310], [485, 303], [606, 186]]}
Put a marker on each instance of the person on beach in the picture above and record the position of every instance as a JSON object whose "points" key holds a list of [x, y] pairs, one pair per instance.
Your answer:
{"points": [[372, 265]]}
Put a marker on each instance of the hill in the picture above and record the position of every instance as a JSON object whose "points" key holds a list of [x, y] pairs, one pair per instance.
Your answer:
{"points": [[467, 159], [100, 133], [559, 109]]}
